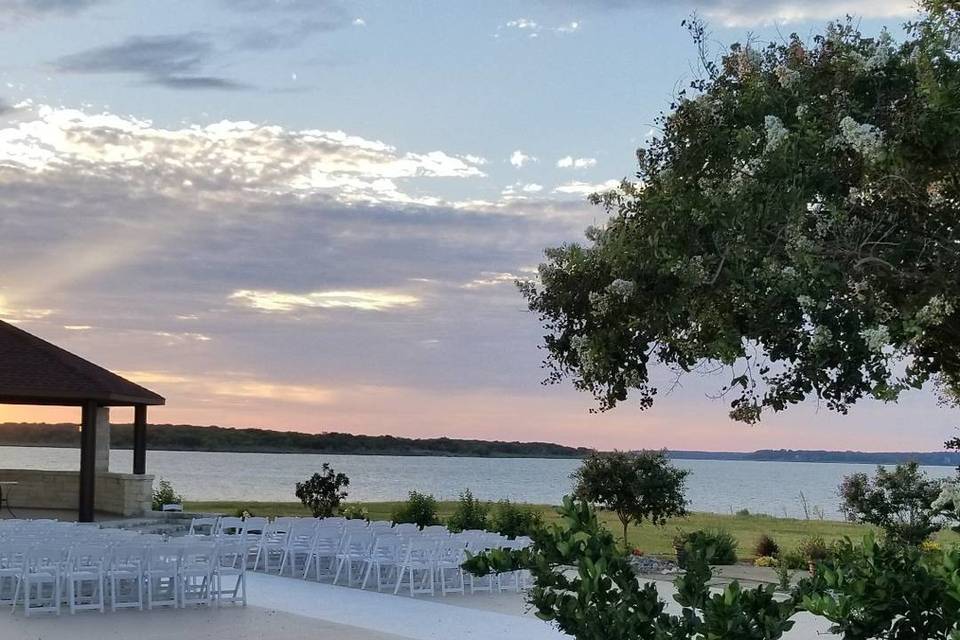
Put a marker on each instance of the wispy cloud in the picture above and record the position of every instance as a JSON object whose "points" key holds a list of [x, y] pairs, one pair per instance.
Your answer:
{"points": [[569, 162], [743, 13], [585, 188], [173, 61], [279, 302], [14, 12], [533, 29]]}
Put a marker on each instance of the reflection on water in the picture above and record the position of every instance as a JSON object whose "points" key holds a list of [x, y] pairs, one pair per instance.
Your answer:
{"points": [[721, 486]]}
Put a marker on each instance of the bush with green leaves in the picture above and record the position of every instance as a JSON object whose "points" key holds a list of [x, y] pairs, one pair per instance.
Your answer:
{"points": [[813, 549], [323, 492], [469, 513], [715, 546], [354, 512], [766, 546], [585, 584], [637, 486], [888, 591], [165, 494], [792, 560], [512, 519], [420, 509], [901, 502]]}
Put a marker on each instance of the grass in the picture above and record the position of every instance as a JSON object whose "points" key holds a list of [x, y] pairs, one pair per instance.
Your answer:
{"points": [[788, 532]]}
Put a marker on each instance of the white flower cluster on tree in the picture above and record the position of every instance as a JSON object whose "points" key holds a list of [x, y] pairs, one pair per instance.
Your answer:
{"points": [[776, 133], [935, 311], [949, 498], [876, 337], [621, 288], [865, 139]]}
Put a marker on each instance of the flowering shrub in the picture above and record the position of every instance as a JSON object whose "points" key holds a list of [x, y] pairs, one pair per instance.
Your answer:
{"points": [[765, 561], [795, 222]]}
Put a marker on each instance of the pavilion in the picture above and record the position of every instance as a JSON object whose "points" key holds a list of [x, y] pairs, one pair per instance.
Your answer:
{"points": [[36, 372]]}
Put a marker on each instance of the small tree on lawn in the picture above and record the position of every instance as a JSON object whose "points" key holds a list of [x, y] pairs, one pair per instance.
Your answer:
{"points": [[323, 492], [901, 502], [636, 486]]}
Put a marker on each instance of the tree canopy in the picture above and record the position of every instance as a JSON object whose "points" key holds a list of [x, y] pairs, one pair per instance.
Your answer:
{"points": [[795, 223], [637, 486]]}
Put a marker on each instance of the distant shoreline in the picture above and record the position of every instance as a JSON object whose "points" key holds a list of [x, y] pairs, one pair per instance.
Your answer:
{"points": [[214, 439]]}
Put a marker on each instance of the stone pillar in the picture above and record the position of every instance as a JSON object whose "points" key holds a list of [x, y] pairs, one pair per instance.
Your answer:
{"points": [[103, 440]]}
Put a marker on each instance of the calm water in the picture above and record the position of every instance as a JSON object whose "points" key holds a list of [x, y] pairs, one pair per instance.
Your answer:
{"points": [[719, 486]]}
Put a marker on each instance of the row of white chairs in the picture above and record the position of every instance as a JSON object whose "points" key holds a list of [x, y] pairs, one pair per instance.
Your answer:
{"points": [[44, 565], [362, 554]]}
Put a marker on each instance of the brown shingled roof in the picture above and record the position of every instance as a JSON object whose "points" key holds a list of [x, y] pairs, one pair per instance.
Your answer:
{"points": [[33, 371]]}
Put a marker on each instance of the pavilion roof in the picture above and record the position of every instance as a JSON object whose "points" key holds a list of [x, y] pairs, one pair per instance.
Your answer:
{"points": [[34, 371]]}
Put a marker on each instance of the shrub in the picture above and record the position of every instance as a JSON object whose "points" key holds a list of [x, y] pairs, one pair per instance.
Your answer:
{"points": [[900, 502], [792, 560], [813, 549], [419, 509], [766, 546], [601, 598], [637, 487], [164, 494], [323, 492], [888, 591], [784, 575], [512, 520], [243, 512], [765, 561], [469, 514], [354, 512], [743, 513], [715, 546]]}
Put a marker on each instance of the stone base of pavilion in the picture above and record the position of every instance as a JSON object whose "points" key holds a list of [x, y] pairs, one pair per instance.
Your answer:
{"points": [[118, 494]]}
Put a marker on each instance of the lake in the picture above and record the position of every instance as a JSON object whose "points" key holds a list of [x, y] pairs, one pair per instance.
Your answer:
{"points": [[719, 486]]}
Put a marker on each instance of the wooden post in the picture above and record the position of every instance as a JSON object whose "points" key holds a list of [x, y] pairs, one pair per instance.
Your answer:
{"points": [[88, 461], [140, 439]]}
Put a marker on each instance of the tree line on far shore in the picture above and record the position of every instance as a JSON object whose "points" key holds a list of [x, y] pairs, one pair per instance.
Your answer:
{"points": [[213, 438]]}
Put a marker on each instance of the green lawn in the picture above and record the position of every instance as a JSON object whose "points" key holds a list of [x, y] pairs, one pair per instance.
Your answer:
{"points": [[654, 540]]}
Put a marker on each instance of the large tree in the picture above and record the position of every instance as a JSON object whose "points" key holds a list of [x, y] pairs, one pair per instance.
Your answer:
{"points": [[795, 222], [637, 486]]}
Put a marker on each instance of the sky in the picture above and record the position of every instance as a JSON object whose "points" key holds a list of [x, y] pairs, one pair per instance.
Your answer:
{"points": [[309, 214]]}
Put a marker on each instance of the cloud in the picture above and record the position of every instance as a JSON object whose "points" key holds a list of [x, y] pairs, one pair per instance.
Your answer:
{"points": [[744, 13], [13, 12], [359, 22], [491, 279], [226, 160], [520, 190], [569, 162], [518, 158], [172, 61], [533, 29], [586, 188], [16, 313], [278, 302]]}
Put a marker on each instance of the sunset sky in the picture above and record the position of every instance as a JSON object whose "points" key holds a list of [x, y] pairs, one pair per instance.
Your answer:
{"points": [[309, 214]]}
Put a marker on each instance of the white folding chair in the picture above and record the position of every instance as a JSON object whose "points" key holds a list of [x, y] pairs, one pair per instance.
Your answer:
{"points": [[229, 526], [43, 573], [231, 563], [418, 556], [323, 553], [125, 573], [406, 528], [384, 560], [84, 577], [450, 556], [204, 526], [162, 575], [12, 565], [355, 551], [272, 543], [197, 561], [299, 544]]}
